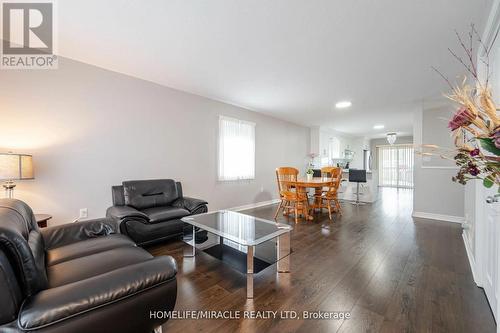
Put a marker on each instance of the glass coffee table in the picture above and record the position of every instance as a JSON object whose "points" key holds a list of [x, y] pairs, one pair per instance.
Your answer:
{"points": [[242, 234]]}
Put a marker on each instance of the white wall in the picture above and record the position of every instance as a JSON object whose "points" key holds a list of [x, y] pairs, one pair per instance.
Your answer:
{"points": [[435, 194], [471, 205], [89, 128]]}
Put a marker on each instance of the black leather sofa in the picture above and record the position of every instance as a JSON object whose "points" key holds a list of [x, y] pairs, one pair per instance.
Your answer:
{"points": [[150, 211], [78, 277]]}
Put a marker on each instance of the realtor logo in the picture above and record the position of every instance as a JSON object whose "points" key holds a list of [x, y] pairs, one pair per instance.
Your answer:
{"points": [[28, 35]]}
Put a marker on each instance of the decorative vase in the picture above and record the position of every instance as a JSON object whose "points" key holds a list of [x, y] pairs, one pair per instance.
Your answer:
{"points": [[309, 176]]}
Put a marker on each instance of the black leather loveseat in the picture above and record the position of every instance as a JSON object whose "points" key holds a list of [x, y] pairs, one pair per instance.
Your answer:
{"points": [[150, 211], [78, 277]]}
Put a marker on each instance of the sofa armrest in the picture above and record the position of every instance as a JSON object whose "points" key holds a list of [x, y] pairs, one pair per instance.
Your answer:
{"points": [[190, 204], [124, 212], [74, 232], [52, 306]]}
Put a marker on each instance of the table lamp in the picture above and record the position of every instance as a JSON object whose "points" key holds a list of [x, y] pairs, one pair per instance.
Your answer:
{"points": [[15, 167]]}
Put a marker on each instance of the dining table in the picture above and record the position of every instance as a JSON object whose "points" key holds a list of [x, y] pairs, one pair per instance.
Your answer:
{"points": [[302, 185]]}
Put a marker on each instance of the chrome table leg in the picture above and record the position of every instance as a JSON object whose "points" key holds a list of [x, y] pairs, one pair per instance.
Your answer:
{"points": [[250, 251], [192, 253]]}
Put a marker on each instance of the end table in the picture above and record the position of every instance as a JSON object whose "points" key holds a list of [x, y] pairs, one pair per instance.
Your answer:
{"points": [[41, 219]]}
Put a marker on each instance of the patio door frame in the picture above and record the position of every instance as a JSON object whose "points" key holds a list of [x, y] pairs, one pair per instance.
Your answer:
{"points": [[380, 160]]}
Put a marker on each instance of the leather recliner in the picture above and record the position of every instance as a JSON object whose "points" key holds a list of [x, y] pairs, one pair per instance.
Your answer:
{"points": [[150, 211], [78, 277]]}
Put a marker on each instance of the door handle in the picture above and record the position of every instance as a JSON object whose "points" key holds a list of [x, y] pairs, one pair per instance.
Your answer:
{"points": [[492, 198]]}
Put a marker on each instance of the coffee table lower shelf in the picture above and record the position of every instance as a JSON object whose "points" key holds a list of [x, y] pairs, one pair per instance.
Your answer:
{"points": [[236, 259], [247, 263]]}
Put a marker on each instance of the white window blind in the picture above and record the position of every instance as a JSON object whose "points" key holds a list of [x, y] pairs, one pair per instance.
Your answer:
{"points": [[395, 166], [236, 149]]}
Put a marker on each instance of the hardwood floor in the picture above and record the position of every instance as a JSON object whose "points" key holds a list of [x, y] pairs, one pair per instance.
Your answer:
{"points": [[392, 273]]}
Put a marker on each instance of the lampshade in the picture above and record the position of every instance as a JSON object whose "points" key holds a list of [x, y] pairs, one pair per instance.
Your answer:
{"points": [[391, 138], [16, 167]]}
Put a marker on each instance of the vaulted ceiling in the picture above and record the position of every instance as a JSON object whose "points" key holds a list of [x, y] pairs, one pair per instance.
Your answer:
{"points": [[292, 59]]}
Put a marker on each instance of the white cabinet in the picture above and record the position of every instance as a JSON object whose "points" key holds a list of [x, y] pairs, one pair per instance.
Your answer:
{"points": [[482, 241]]}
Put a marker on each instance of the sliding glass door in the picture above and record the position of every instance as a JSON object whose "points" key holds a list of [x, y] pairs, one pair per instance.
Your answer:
{"points": [[395, 166]]}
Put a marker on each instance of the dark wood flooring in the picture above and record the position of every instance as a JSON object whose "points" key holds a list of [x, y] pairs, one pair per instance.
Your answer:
{"points": [[393, 273]]}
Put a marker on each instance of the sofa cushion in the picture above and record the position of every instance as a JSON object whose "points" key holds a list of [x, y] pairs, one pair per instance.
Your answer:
{"points": [[77, 307], [148, 233], [95, 264], [161, 214], [86, 247], [142, 194]]}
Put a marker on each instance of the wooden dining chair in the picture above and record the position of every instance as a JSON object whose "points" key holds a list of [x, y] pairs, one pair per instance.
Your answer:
{"points": [[326, 172], [330, 194], [290, 197]]}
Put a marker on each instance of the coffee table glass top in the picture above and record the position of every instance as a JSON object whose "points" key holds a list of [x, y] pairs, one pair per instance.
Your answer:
{"points": [[240, 228]]}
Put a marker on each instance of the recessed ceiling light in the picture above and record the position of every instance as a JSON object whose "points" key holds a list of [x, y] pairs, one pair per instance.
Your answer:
{"points": [[378, 126], [343, 104]]}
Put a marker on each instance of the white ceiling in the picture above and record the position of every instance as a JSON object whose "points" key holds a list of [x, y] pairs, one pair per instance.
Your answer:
{"points": [[292, 59]]}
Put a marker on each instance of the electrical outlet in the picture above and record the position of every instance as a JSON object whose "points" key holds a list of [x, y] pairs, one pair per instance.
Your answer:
{"points": [[84, 213], [262, 188]]}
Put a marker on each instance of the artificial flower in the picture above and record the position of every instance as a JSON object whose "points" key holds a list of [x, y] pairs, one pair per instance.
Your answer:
{"points": [[496, 139], [474, 152], [462, 118]]}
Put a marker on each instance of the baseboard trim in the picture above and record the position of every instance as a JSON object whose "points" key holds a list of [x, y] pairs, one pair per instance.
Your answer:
{"points": [[472, 261], [439, 217], [255, 205]]}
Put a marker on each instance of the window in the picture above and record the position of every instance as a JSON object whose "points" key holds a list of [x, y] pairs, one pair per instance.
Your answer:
{"points": [[236, 149], [395, 166]]}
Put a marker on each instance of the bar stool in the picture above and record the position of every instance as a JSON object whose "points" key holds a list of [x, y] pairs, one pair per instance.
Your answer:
{"points": [[357, 176]]}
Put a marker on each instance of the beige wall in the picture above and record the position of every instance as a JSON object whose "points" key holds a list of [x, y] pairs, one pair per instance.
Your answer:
{"points": [[90, 128]]}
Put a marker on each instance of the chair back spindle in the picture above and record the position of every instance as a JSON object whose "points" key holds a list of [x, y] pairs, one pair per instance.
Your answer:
{"points": [[286, 177]]}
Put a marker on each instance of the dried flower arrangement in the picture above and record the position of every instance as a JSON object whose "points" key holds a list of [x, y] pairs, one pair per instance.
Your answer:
{"points": [[476, 124]]}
